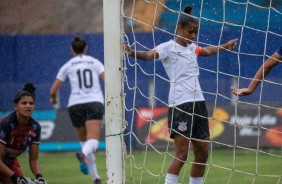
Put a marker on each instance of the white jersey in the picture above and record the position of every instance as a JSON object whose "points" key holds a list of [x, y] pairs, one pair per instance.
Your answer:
{"points": [[83, 72], [182, 68]]}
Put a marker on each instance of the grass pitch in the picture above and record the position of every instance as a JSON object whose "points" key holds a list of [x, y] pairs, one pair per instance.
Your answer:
{"points": [[224, 167]]}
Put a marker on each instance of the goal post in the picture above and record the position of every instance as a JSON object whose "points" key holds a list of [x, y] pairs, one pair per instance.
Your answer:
{"points": [[114, 110], [136, 92]]}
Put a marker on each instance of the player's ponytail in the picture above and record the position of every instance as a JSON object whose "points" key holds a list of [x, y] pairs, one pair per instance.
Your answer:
{"points": [[187, 10], [78, 45], [28, 90], [186, 17]]}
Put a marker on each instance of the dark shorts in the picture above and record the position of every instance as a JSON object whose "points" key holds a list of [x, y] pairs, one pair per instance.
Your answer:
{"points": [[189, 119], [80, 113]]}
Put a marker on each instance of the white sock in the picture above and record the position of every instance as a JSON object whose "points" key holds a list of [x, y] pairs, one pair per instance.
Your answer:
{"points": [[196, 180], [82, 144], [171, 179], [89, 147], [92, 166]]}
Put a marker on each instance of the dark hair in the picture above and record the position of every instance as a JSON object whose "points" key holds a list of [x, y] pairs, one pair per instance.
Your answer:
{"points": [[186, 18], [78, 45], [28, 90]]}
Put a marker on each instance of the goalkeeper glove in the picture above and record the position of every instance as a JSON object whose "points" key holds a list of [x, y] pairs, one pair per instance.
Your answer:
{"points": [[16, 179], [39, 179]]}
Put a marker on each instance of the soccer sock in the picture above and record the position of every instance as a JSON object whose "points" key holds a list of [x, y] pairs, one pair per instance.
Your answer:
{"points": [[82, 144], [171, 179], [88, 150], [90, 146], [92, 166], [196, 180]]}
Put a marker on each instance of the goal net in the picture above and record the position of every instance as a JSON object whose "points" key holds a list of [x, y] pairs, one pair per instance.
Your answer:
{"points": [[245, 132]]}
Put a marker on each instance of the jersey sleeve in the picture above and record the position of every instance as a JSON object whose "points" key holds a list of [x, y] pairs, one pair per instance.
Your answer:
{"points": [[37, 133], [100, 67], [162, 50], [62, 74], [279, 51]]}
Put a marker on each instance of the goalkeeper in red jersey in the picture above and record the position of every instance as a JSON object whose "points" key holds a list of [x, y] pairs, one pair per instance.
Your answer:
{"points": [[18, 131], [263, 71]]}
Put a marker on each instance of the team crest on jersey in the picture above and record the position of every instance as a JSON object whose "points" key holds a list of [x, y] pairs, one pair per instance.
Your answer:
{"points": [[182, 126]]}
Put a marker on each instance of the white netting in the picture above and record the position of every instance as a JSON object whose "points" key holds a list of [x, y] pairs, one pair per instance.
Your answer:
{"points": [[246, 132]]}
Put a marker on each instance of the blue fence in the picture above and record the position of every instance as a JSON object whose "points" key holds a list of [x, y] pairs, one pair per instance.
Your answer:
{"points": [[252, 13], [37, 58]]}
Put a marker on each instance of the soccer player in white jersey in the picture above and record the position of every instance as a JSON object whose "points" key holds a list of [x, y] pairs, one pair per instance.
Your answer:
{"points": [[263, 71], [86, 102], [187, 116]]}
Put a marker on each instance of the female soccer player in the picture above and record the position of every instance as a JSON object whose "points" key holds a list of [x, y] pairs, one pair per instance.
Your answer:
{"points": [[86, 102], [263, 71], [187, 114], [17, 132]]}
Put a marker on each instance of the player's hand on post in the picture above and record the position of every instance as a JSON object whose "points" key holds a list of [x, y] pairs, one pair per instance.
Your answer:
{"points": [[40, 180], [16, 179], [127, 49]]}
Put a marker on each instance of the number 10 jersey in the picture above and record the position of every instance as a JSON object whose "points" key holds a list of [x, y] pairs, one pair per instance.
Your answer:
{"points": [[83, 72]]}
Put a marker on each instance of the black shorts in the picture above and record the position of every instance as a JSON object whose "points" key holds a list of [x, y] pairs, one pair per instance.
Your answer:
{"points": [[189, 119], [83, 112]]}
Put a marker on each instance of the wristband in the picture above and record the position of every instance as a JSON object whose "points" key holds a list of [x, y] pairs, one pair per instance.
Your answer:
{"points": [[14, 178], [38, 176]]}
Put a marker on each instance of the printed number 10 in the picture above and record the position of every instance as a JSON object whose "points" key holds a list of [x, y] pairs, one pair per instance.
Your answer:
{"points": [[85, 78]]}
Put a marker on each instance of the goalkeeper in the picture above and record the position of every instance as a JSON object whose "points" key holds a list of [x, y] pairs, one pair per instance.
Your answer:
{"points": [[17, 132], [187, 116], [263, 71]]}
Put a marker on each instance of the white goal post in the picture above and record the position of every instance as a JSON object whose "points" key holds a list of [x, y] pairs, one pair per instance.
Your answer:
{"points": [[114, 111], [245, 132]]}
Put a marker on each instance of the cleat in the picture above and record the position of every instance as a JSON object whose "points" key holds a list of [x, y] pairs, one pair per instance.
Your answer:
{"points": [[83, 163], [97, 181]]}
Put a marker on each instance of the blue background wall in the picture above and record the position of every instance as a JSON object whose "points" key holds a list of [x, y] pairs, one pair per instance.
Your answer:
{"points": [[37, 59]]}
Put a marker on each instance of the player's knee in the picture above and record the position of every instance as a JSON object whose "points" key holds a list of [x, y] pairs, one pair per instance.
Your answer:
{"points": [[202, 156], [182, 155]]}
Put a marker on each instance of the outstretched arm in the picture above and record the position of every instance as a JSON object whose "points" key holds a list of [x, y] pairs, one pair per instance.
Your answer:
{"points": [[143, 55], [210, 50], [260, 75]]}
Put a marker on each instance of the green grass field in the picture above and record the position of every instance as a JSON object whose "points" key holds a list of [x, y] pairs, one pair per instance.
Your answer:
{"points": [[62, 168]]}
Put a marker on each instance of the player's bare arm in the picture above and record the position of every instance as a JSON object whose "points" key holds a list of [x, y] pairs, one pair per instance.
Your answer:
{"points": [[210, 50], [142, 55], [33, 159], [3, 168], [53, 91], [260, 75], [102, 75]]}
